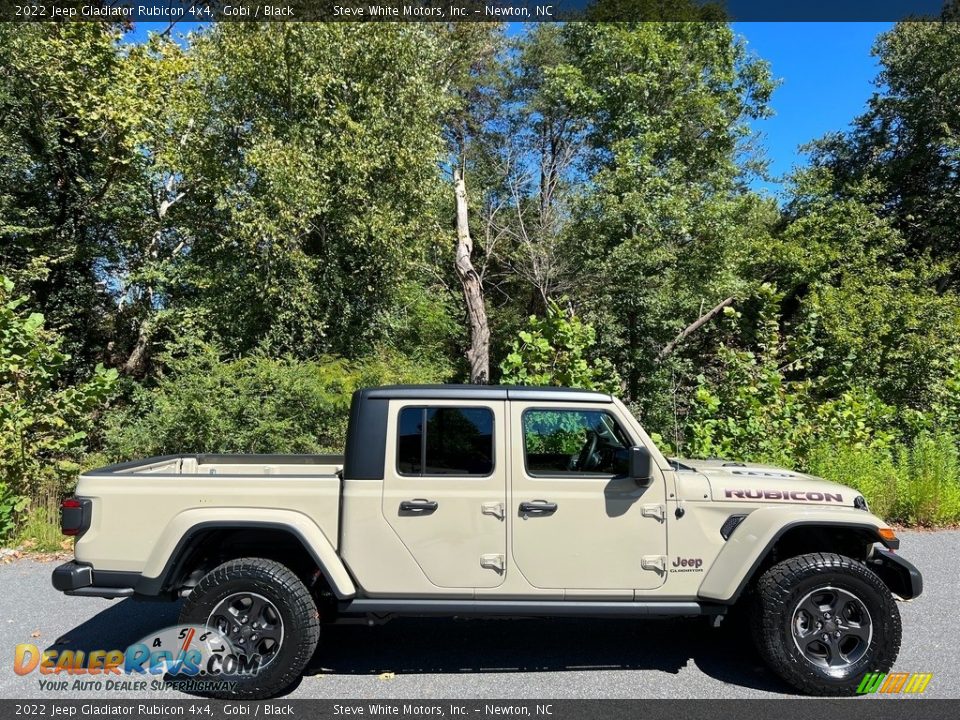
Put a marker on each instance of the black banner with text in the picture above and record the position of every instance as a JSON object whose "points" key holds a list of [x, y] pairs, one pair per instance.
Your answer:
{"points": [[173, 11], [801, 709]]}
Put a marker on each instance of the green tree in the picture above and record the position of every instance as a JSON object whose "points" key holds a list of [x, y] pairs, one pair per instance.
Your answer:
{"points": [[316, 177], [857, 291], [43, 424], [761, 399], [667, 231], [69, 165], [903, 153]]}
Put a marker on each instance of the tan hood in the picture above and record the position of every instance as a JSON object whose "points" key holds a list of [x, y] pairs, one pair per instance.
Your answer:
{"points": [[755, 482]]}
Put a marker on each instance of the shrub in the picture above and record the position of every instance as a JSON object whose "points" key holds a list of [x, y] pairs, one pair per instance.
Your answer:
{"points": [[43, 426], [929, 481], [916, 484], [254, 404], [555, 350], [40, 531], [751, 406], [871, 471]]}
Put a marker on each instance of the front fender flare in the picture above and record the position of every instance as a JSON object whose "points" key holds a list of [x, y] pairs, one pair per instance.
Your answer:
{"points": [[753, 539], [182, 529]]}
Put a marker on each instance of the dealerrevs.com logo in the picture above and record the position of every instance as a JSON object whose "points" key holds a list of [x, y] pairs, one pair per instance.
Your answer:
{"points": [[894, 683], [182, 657]]}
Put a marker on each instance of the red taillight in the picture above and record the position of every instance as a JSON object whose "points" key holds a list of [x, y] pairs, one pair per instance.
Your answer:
{"points": [[72, 516]]}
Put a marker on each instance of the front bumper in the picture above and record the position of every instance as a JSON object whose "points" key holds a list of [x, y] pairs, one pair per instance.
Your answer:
{"points": [[898, 574], [74, 578]]}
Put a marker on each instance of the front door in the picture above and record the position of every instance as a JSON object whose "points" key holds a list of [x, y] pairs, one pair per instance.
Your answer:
{"points": [[578, 521], [444, 493]]}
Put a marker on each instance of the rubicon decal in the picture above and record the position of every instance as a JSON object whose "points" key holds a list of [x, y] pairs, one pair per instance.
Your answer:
{"points": [[794, 495], [894, 683]]}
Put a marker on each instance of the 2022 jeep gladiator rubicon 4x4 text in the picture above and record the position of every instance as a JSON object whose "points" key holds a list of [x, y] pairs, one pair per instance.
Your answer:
{"points": [[492, 501]]}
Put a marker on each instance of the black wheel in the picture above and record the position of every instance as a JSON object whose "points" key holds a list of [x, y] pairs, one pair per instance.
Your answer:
{"points": [[825, 621], [265, 611]]}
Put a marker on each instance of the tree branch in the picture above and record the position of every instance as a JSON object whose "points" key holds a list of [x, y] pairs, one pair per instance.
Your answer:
{"points": [[671, 346]]}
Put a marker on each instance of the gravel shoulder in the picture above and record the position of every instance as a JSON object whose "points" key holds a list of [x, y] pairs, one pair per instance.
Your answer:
{"points": [[422, 659]]}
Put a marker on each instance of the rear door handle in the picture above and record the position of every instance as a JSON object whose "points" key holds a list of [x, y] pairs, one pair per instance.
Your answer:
{"points": [[418, 506], [538, 507]]}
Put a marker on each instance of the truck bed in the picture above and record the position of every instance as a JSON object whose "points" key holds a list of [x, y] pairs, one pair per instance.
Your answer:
{"points": [[151, 504], [228, 465]]}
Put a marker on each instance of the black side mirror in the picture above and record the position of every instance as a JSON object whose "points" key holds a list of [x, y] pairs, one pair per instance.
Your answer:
{"points": [[640, 465]]}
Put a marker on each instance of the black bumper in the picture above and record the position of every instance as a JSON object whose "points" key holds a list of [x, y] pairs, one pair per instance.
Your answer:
{"points": [[74, 578], [898, 574]]}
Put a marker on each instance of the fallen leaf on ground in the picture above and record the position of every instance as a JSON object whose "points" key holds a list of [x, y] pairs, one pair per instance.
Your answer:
{"points": [[387, 676], [35, 633]]}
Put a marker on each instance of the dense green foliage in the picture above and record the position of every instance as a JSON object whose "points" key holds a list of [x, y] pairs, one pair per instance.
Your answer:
{"points": [[254, 404], [918, 483], [251, 222], [43, 427], [554, 350]]}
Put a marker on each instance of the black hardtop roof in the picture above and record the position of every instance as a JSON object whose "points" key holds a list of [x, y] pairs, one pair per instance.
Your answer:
{"points": [[483, 392]]}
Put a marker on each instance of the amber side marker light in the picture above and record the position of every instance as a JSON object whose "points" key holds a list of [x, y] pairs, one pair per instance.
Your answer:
{"points": [[887, 535]]}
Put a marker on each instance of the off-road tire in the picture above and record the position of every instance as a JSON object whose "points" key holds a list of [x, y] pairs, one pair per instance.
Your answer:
{"points": [[291, 599], [783, 587]]}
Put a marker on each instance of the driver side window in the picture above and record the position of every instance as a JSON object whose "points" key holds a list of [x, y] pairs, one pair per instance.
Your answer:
{"points": [[574, 442]]}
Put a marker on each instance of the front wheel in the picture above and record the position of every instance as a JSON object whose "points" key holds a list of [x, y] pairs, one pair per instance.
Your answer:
{"points": [[825, 621], [264, 610]]}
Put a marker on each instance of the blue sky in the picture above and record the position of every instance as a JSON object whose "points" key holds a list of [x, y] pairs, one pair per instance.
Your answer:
{"points": [[826, 73]]}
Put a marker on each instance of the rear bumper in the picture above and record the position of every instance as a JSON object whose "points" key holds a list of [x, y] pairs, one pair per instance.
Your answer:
{"points": [[898, 574], [73, 578]]}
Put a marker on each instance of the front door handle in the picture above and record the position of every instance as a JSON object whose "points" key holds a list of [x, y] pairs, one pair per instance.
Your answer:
{"points": [[538, 507], [418, 506]]}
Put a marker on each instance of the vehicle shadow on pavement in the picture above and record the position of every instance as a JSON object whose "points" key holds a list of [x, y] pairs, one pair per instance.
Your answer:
{"points": [[409, 645], [120, 625], [440, 645]]}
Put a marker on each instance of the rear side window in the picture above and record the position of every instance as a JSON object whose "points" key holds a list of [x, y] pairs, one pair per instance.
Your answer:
{"points": [[445, 441]]}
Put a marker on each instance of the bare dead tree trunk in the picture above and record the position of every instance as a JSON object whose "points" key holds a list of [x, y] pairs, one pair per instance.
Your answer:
{"points": [[137, 360], [478, 354], [671, 346]]}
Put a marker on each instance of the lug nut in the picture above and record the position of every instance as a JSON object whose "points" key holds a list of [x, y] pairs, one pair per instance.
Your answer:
{"points": [[825, 638], [826, 616]]}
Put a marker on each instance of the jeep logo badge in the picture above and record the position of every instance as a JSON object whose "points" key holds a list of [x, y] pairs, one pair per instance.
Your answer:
{"points": [[688, 564]]}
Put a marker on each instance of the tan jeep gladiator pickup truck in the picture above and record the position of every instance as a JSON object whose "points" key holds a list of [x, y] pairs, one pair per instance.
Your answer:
{"points": [[492, 501]]}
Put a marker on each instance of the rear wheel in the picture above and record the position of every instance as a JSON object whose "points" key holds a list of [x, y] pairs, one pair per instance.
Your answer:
{"points": [[825, 621], [265, 611]]}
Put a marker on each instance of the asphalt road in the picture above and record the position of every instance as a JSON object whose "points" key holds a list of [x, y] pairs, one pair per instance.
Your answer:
{"points": [[423, 659]]}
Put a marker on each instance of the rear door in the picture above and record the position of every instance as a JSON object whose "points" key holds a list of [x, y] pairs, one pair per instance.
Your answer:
{"points": [[579, 522], [444, 490]]}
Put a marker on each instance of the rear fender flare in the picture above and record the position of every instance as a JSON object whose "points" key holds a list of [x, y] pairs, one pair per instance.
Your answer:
{"points": [[183, 529]]}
